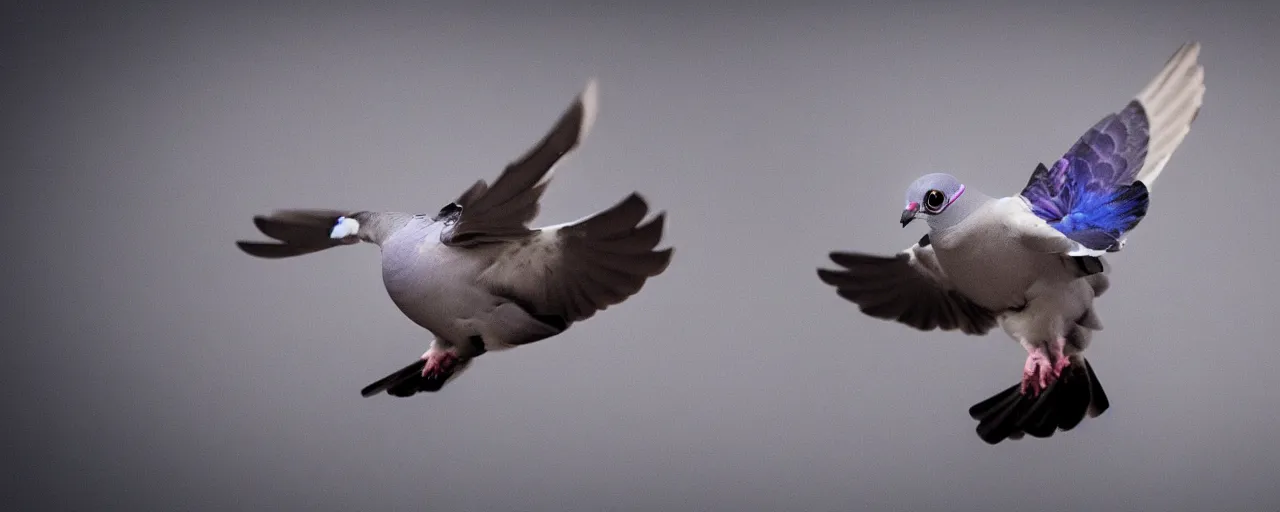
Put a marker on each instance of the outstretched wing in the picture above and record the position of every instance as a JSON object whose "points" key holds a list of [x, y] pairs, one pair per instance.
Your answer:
{"points": [[504, 210], [1097, 191], [297, 231], [573, 270], [909, 287]]}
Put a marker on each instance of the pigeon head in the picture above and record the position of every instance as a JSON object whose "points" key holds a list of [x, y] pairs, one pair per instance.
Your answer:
{"points": [[930, 196]]}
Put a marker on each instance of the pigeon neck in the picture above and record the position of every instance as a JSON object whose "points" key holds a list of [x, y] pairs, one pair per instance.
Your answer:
{"points": [[376, 227], [958, 210]]}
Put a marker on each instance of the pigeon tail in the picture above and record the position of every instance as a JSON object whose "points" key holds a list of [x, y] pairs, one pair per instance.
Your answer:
{"points": [[409, 381], [1010, 414]]}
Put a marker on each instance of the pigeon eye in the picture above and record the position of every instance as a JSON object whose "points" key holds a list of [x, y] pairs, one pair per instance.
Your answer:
{"points": [[933, 200]]}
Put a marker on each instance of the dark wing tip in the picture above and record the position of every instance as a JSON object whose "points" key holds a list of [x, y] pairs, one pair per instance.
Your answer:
{"points": [[262, 222], [576, 121], [850, 259], [659, 219], [829, 276], [838, 256], [634, 197], [665, 255], [273, 250], [472, 193], [252, 248], [269, 250], [619, 220]]}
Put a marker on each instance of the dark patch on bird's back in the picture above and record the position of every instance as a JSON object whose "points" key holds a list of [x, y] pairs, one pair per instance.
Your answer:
{"points": [[449, 213], [924, 240], [1080, 319], [477, 344], [1088, 265]]}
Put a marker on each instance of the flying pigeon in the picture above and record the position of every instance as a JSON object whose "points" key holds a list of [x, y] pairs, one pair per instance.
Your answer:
{"points": [[474, 274], [1032, 263]]}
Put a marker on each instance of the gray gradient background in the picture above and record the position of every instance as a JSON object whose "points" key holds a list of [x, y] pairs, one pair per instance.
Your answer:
{"points": [[151, 365]]}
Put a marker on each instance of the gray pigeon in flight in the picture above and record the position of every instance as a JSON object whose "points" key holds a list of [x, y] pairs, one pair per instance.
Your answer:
{"points": [[1032, 263], [474, 274]]}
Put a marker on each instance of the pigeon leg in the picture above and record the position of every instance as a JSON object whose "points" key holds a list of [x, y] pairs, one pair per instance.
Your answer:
{"points": [[438, 361], [1060, 360], [1036, 372]]}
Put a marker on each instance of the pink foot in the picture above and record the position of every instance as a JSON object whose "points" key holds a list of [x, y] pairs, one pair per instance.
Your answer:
{"points": [[1041, 369], [438, 362], [1036, 374], [1060, 360]]}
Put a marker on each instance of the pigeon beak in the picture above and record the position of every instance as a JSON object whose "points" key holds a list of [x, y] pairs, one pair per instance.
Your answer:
{"points": [[909, 214]]}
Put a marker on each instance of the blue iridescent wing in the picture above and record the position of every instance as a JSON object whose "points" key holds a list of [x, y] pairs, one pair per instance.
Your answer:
{"points": [[1091, 194]]}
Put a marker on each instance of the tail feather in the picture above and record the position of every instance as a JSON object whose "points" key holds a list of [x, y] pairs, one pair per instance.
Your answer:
{"points": [[409, 381], [298, 232], [1010, 414], [1098, 402]]}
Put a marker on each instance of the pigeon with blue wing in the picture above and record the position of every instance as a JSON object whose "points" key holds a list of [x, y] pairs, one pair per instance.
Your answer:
{"points": [[475, 274], [1032, 263]]}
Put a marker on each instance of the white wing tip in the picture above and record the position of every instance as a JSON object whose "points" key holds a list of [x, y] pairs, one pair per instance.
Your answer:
{"points": [[1185, 61], [590, 99], [1172, 100], [345, 227], [1148, 177]]}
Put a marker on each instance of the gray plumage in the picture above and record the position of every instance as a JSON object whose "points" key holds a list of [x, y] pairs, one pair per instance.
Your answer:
{"points": [[475, 274], [1032, 263]]}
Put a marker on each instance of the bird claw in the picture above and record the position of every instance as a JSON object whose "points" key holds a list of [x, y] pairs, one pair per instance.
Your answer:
{"points": [[1060, 360], [1036, 373], [1040, 371], [438, 362], [1061, 364]]}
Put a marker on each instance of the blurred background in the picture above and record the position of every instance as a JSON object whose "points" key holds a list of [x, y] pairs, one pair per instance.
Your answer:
{"points": [[150, 365]]}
